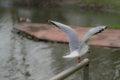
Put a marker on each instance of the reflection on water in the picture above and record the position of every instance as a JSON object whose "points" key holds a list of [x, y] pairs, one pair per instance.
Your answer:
{"points": [[23, 59]]}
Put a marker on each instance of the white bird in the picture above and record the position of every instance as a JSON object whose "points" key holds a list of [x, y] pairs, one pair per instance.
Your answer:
{"points": [[77, 48]]}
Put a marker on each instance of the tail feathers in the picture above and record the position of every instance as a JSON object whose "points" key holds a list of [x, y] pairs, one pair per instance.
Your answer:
{"points": [[78, 53], [72, 55]]}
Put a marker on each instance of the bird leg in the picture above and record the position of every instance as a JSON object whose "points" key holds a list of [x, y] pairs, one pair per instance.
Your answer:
{"points": [[79, 59]]}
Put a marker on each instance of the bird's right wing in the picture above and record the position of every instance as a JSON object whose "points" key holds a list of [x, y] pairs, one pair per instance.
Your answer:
{"points": [[71, 34]]}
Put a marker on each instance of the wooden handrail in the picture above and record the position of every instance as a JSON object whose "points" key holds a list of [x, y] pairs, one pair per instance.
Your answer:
{"points": [[71, 70]]}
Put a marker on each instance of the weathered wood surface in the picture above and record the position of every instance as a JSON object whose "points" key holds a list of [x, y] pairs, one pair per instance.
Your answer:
{"points": [[110, 38]]}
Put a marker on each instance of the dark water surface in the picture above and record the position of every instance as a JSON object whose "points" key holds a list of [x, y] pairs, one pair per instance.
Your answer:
{"points": [[23, 59], [71, 16]]}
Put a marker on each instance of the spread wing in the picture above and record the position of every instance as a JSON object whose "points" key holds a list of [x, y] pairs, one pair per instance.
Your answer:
{"points": [[70, 33], [92, 32]]}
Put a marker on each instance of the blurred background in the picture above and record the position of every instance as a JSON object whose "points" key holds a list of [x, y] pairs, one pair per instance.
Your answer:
{"points": [[24, 59], [73, 12]]}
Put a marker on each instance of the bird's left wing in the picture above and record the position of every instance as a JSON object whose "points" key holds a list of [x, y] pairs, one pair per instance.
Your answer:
{"points": [[92, 32]]}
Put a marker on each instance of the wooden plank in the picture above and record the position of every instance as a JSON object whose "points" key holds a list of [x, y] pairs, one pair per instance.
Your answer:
{"points": [[110, 38]]}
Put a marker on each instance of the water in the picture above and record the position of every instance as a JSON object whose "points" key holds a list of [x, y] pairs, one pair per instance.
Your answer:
{"points": [[23, 59], [71, 16]]}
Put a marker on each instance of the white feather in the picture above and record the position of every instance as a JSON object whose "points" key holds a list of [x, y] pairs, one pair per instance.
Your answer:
{"points": [[77, 48]]}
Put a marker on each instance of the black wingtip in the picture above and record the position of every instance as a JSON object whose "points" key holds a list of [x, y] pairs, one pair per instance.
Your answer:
{"points": [[49, 21], [106, 27], [53, 22], [102, 30]]}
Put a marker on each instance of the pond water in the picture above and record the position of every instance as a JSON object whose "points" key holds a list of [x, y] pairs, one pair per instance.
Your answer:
{"points": [[23, 59], [69, 15]]}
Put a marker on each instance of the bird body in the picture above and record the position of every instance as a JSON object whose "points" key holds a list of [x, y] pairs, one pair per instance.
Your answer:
{"points": [[77, 48]]}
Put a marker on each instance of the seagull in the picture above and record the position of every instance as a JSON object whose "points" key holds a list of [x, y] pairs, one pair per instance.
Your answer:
{"points": [[77, 48]]}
